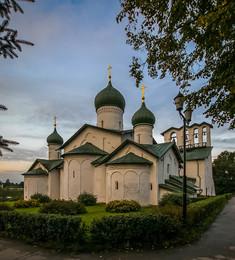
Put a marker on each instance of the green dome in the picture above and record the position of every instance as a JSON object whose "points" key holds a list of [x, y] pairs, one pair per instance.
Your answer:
{"points": [[143, 116], [55, 138], [109, 96]]}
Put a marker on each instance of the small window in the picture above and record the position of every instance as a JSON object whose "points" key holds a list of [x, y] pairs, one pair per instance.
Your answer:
{"points": [[196, 139], [102, 123], [174, 137], [120, 125], [73, 174], [168, 168], [150, 186], [204, 135], [116, 185]]}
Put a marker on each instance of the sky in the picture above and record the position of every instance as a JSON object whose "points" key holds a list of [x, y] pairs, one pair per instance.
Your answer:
{"points": [[75, 43]]}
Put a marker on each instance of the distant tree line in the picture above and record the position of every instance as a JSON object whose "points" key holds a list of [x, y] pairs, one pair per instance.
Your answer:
{"points": [[9, 184]]}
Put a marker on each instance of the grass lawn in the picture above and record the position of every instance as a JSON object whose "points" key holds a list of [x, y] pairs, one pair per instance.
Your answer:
{"points": [[97, 211]]}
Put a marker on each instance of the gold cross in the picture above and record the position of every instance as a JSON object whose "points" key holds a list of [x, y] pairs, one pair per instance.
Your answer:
{"points": [[143, 92], [55, 121], [109, 68]]}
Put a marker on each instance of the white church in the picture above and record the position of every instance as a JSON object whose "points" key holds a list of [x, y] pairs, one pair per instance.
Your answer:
{"points": [[116, 164]]}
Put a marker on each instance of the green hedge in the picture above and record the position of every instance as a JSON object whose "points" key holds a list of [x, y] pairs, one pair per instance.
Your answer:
{"points": [[164, 228], [134, 230], [173, 199], [199, 211], [6, 207], [42, 228], [63, 207]]}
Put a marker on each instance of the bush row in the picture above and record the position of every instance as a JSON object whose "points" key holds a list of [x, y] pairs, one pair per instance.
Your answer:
{"points": [[6, 207], [134, 230], [130, 230], [199, 211], [42, 227]]}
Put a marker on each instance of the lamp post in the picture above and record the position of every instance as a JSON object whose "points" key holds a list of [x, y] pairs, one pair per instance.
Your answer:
{"points": [[179, 102]]}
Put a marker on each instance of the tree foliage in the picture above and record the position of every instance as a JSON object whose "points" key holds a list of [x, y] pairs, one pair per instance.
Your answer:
{"points": [[9, 43], [188, 40], [224, 172]]}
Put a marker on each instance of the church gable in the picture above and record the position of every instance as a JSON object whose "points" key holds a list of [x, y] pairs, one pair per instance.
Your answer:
{"points": [[124, 149], [104, 139]]}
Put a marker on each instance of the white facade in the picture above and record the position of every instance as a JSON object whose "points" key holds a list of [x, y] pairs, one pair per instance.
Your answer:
{"points": [[106, 161]]}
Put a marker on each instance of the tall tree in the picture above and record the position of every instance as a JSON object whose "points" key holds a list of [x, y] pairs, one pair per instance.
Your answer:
{"points": [[188, 39], [9, 43], [224, 172]]}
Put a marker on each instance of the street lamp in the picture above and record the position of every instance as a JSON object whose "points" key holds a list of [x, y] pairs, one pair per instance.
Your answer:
{"points": [[179, 103]]}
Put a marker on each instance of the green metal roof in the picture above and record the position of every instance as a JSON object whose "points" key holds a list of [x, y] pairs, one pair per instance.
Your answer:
{"points": [[38, 171], [199, 153], [48, 164], [143, 116], [175, 184], [109, 96], [130, 158], [55, 138], [116, 132], [157, 150], [87, 148]]}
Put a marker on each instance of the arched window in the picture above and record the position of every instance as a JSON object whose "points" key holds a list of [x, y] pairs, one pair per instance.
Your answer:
{"points": [[174, 137], [195, 135], [204, 136], [187, 138]]}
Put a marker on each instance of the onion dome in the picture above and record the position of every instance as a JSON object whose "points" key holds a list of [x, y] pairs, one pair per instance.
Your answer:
{"points": [[55, 138], [143, 116], [109, 96]]}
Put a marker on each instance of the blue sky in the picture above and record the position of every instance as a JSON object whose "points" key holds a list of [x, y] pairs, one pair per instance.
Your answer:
{"points": [[75, 42]]}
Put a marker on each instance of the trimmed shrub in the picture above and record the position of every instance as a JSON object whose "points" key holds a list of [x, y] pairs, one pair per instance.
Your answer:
{"points": [[27, 203], [170, 210], [199, 211], [41, 198], [122, 206], [63, 207], [134, 230], [193, 200], [87, 199], [228, 195], [175, 199], [42, 228], [6, 207]]}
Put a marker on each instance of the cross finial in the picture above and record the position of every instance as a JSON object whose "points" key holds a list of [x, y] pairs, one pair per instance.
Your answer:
{"points": [[143, 93], [55, 122], [109, 68]]}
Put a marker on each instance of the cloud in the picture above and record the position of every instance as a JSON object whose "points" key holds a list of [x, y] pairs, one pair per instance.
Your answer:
{"points": [[13, 176], [25, 155]]}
